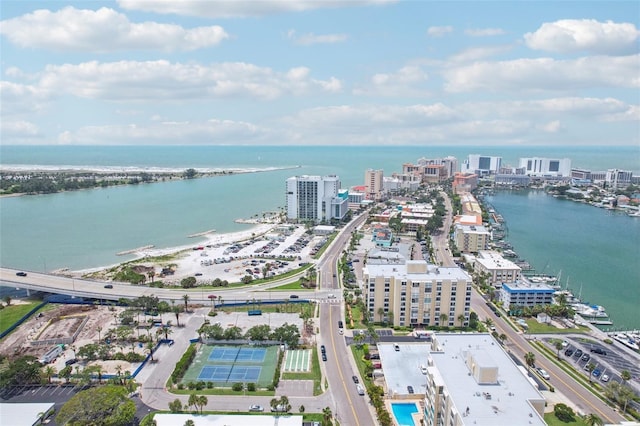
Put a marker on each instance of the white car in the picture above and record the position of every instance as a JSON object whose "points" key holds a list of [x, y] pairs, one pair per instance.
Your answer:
{"points": [[604, 378], [331, 296], [544, 374], [256, 408]]}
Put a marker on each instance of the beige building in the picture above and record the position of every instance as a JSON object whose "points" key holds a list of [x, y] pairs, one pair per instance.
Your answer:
{"points": [[471, 238], [499, 269], [374, 184], [413, 293]]}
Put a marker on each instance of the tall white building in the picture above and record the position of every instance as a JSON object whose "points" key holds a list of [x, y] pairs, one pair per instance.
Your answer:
{"points": [[539, 166], [482, 165], [316, 198]]}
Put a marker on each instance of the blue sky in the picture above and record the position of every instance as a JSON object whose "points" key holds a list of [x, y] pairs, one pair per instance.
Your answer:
{"points": [[318, 72]]}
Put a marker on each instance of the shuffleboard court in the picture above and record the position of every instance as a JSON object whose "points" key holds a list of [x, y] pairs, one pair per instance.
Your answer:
{"points": [[297, 361]]}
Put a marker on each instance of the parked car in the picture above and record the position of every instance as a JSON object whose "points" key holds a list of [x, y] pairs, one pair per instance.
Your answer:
{"points": [[568, 352], [21, 274], [586, 357], [596, 373], [543, 373], [578, 353], [396, 348], [355, 379], [360, 389], [323, 349], [599, 351], [256, 408], [604, 378], [410, 389], [324, 356], [340, 324]]}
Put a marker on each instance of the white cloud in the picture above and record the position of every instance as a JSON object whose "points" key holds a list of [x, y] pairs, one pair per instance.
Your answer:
{"points": [[20, 98], [18, 129], [404, 82], [484, 32], [545, 74], [167, 132], [239, 8], [439, 31], [163, 80], [552, 126], [585, 35], [310, 38], [103, 30], [477, 53]]}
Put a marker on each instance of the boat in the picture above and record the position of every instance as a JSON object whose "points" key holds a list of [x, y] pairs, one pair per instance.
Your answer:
{"points": [[589, 311], [627, 340]]}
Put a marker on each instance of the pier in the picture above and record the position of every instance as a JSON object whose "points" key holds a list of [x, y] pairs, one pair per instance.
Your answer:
{"points": [[122, 253]]}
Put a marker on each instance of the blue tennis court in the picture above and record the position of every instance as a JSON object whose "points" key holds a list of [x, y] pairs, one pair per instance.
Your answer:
{"points": [[224, 373], [237, 354]]}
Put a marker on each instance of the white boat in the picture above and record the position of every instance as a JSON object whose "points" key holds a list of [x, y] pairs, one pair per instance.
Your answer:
{"points": [[627, 340], [589, 311]]}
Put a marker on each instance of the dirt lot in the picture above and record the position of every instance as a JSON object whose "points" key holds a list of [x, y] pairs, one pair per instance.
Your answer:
{"points": [[59, 322]]}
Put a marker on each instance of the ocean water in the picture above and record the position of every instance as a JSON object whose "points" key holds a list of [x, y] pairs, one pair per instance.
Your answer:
{"points": [[86, 229]]}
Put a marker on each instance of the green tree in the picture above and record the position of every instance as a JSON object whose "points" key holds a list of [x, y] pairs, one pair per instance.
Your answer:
{"points": [[259, 332], [22, 371], [233, 333], [202, 401], [188, 282], [563, 412], [530, 359], [443, 319], [176, 310], [189, 422], [327, 415], [101, 406], [190, 173], [48, 372], [593, 420], [186, 299], [380, 312], [175, 406], [625, 375], [287, 334], [193, 400], [558, 346], [590, 367], [7, 299], [65, 373]]}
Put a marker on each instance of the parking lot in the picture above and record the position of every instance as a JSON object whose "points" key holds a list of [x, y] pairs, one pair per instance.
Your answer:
{"points": [[609, 363]]}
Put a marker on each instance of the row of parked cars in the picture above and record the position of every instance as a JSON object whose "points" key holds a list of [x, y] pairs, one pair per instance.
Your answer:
{"points": [[579, 355]]}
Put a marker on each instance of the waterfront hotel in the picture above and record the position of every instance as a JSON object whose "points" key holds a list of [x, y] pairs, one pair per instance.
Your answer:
{"points": [[316, 198]]}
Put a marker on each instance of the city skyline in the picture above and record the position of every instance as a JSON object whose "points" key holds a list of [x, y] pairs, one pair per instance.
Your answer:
{"points": [[376, 72]]}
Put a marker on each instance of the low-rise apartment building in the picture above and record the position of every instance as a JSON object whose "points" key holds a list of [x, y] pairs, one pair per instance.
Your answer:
{"points": [[413, 293], [471, 238], [498, 269], [526, 294]]}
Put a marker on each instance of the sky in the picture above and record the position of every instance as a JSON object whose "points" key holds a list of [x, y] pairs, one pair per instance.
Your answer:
{"points": [[320, 72]]}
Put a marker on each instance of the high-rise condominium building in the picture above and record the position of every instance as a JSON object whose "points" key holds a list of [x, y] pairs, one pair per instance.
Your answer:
{"points": [[373, 183], [538, 166], [414, 293], [482, 165], [316, 198]]}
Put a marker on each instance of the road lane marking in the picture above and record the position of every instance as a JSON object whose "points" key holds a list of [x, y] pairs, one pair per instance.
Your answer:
{"points": [[335, 354]]}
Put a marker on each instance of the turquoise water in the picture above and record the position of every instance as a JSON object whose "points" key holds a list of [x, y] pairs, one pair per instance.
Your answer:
{"points": [[402, 413], [85, 229], [596, 251]]}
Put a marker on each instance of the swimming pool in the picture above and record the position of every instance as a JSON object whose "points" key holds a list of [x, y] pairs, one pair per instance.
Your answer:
{"points": [[402, 413]]}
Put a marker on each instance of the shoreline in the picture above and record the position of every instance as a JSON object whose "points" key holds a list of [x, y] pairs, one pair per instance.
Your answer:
{"points": [[151, 252], [107, 173]]}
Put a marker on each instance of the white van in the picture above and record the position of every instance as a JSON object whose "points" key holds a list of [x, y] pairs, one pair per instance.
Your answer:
{"points": [[360, 389]]}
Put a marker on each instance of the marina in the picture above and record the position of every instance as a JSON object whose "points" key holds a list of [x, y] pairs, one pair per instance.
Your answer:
{"points": [[592, 313]]}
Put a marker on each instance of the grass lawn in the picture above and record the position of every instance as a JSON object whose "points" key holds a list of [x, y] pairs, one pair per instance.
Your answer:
{"points": [[281, 307], [537, 328], [315, 374], [357, 317], [12, 313], [552, 420]]}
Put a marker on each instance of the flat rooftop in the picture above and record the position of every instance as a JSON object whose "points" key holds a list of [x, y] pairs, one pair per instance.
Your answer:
{"points": [[400, 271]]}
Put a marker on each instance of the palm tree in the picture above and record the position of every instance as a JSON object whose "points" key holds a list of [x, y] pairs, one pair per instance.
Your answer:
{"points": [[202, 401], [488, 322], [151, 274], [326, 415], [185, 297], [193, 400], [590, 367], [593, 420], [625, 375], [443, 318], [461, 319], [49, 371], [167, 331], [176, 310], [274, 403], [150, 349], [530, 359], [558, 346], [381, 313], [502, 338]]}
